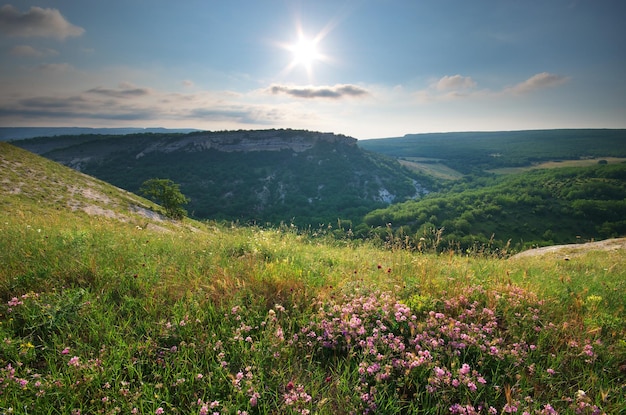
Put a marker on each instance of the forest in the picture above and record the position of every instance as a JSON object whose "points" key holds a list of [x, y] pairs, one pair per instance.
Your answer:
{"points": [[535, 208]]}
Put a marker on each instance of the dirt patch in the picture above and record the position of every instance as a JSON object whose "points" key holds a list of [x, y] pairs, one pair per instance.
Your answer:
{"points": [[575, 249], [99, 211], [150, 214]]}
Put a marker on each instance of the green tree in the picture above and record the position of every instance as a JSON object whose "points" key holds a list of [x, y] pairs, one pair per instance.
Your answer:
{"points": [[167, 193]]}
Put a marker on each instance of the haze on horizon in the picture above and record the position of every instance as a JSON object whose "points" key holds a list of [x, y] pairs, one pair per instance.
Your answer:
{"points": [[363, 68]]}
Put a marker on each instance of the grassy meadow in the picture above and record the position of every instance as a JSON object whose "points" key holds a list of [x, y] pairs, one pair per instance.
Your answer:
{"points": [[123, 314]]}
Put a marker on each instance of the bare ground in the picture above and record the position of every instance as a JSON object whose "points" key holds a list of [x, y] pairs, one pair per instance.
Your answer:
{"points": [[575, 249]]}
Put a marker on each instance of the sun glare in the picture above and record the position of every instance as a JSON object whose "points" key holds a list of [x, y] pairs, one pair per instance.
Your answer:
{"points": [[305, 52]]}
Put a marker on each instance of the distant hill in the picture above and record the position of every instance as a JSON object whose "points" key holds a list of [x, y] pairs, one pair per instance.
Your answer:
{"points": [[268, 176], [471, 152], [22, 133]]}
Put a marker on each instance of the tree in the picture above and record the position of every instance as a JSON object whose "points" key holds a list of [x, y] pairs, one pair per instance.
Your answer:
{"points": [[167, 193]]}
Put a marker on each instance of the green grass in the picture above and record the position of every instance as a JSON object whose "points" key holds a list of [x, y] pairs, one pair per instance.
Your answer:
{"points": [[430, 167], [99, 315], [557, 164]]}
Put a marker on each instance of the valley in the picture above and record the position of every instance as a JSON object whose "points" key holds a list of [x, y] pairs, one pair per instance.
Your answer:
{"points": [[108, 307]]}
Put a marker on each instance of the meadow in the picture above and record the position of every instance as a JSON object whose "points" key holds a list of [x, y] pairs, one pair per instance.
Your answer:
{"points": [[108, 308], [99, 316]]}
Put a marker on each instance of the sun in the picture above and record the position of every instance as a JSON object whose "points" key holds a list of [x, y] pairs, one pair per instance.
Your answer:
{"points": [[305, 52]]}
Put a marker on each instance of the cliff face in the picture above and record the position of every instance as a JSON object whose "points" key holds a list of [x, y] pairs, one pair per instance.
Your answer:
{"points": [[249, 141]]}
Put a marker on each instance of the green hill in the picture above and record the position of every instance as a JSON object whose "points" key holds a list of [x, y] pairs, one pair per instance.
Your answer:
{"points": [[107, 308], [271, 176], [534, 208]]}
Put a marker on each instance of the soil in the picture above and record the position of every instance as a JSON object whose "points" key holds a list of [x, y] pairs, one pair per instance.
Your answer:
{"points": [[575, 249]]}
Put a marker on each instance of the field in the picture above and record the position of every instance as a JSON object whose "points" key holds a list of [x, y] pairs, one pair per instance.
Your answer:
{"points": [[123, 313], [430, 167], [560, 163]]}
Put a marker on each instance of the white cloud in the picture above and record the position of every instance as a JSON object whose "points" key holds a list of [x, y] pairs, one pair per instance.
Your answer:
{"points": [[539, 81], [30, 52], [36, 22], [455, 82]]}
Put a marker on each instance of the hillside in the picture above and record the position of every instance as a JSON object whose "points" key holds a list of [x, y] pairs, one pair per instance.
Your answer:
{"points": [[35, 186], [107, 308], [534, 208], [473, 152], [272, 176]]}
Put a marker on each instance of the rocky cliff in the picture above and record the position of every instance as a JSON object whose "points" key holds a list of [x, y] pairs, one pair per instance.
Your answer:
{"points": [[247, 141]]}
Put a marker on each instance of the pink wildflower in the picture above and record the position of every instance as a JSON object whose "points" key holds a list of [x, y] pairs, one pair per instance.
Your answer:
{"points": [[159, 411], [74, 361]]}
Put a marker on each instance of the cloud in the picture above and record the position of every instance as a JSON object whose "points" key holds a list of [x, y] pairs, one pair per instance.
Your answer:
{"points": [[333, 92], [30, 52], [454, 82], [464, 87], [539, 81], [124, 91], [100, 103], [36, 22]]}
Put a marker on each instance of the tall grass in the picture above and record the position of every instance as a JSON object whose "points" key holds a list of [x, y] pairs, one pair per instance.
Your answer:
{"points": [[105, 317]]}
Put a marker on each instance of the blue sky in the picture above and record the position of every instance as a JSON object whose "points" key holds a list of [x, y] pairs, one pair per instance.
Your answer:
{"points": [[378, 68]]}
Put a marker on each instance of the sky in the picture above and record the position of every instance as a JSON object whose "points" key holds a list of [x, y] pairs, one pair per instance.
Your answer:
{"points": [[363, 68]]}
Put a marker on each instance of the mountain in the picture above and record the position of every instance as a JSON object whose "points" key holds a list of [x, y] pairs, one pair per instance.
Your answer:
{"points": [[267, 176]]}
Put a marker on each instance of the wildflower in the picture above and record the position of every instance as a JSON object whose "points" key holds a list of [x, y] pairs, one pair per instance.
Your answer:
{"points": [[550, 371], [549, 410], [254, 398], [74, 361], [509, 408], [199, 376], [159, 411]]}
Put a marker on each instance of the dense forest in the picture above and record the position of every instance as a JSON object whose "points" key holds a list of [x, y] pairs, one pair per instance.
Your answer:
{"points": [[539, 207]]}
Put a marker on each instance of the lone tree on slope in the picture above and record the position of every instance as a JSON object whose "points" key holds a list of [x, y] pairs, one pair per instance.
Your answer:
{"points": [[167, 193]]}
